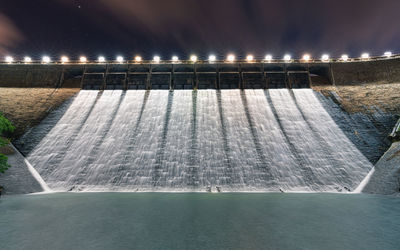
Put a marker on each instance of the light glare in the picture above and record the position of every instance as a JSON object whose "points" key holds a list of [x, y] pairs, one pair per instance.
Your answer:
{"points": [[212, 58], [138, 59], [287, 58], [46, 59], [268, 58], [27, 59], [193, 58], [9, 59], [388, 54], [325, 57], [250, 58], [156, 59], [345, 58], [120, 59], [306, 57], [231, 58], [175, 59], [101, 59], [83, 59], [365, 56], [64, 59]]}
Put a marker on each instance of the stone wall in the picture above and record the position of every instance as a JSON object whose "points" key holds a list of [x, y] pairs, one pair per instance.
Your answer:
{"points": [[26, 107]]}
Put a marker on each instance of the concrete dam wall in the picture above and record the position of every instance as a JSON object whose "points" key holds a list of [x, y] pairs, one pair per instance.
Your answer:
{"points": [[246, 127]]}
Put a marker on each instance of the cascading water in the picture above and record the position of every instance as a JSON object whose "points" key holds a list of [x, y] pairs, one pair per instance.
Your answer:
{"points": [[228, 140]]}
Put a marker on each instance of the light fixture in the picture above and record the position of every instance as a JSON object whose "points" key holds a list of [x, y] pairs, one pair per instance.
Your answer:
{"points": [[268, 58], [306, 57], [101, 59], [287, 58], [212, 58], [9, 59], [64, 59], [365, 56], [83, 59], [345, 58], [388, 54], [250, 58], [120, 59], [231, 58], [46, 59], [27, 59], [175, 59], [138, 59], [193, 58], [156, 59], [325, 57]]}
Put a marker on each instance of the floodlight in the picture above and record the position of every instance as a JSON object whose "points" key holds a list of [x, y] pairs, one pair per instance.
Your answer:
{"points": [[83, 59], [193, 58], [120, 59], [175, 59], [306, 57], [64, 59], [388, 54], [325, 57], [156, 59], [250, 58], [365, 56], [268, 58], [101, 59], [287, 58], [138, 59], [212, 58], [345, 57], [9, 59], [27, 59], [231, 58], [46, 59]]}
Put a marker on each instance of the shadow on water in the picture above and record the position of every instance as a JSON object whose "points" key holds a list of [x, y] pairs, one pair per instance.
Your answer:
{"points": [[368, 132]]}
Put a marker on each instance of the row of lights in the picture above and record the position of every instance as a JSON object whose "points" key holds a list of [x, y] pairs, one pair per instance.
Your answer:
{"points": [[193, 58]]}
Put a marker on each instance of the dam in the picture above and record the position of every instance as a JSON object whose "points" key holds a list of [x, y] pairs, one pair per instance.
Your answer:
{"points": [[173, 156], [203, 127]]}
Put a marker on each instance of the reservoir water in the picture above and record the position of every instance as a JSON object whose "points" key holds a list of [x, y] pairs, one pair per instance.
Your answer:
{"points": [[199, 221]]}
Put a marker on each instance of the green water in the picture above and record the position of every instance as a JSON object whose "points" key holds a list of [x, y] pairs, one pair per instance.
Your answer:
{"points": [[199, 221]]}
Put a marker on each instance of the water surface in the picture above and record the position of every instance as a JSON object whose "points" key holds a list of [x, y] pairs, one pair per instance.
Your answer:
{"points": [[199, 221]]}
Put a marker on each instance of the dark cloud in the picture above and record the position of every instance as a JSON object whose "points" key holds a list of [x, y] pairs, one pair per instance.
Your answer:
{"points": [[9, 34], [240, 26]]}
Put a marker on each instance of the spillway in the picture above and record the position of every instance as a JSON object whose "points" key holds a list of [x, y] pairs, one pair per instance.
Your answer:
{"points": [[193, 141]]}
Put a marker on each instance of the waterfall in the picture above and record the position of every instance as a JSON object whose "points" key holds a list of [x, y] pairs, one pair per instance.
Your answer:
{"points": [[190, 141]]}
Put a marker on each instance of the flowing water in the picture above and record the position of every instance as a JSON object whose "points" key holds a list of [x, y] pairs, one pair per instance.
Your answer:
{"points": [[228, 140]]}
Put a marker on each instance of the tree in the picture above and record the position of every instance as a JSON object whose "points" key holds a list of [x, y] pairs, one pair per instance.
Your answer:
{"points": [[5, 127]]}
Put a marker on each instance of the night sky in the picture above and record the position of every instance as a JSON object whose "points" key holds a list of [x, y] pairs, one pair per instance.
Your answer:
{"points": [[182, 27]]}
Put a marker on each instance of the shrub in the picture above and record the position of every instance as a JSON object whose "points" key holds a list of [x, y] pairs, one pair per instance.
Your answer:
{"points": [[5, 127]]}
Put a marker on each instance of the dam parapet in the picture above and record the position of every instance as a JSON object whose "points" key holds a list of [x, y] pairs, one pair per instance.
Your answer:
{"points": [[199, 75]]}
